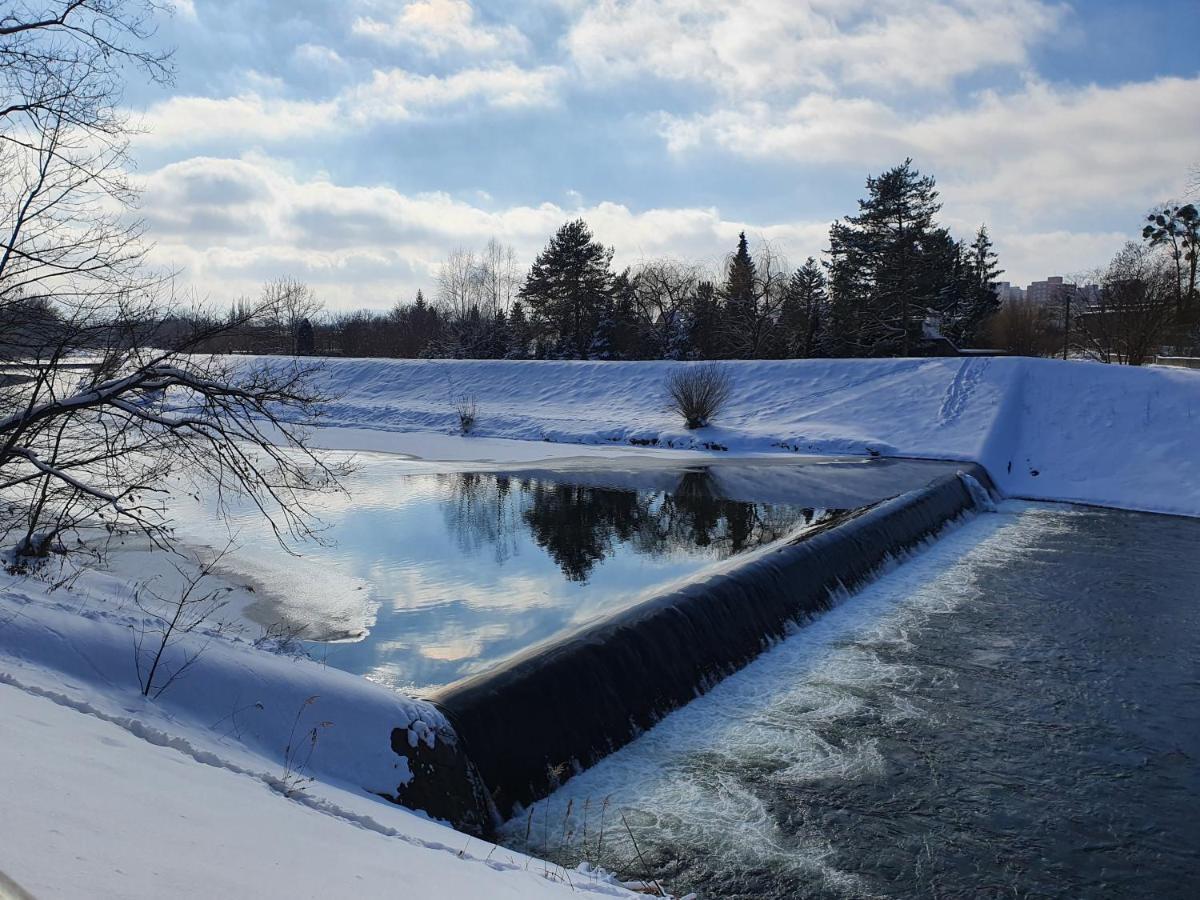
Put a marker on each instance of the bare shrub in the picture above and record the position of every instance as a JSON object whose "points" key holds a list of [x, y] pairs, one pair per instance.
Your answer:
{"points": [[166, 621], [299, 752], [698, 393], [467, 410]]}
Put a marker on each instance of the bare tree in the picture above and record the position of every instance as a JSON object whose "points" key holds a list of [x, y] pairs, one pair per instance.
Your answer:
{"points": [[287, 303], [108, 394], [460, 284], [662, 289], [499, 277], [165, 621], [1134, 308], [699, 392]]}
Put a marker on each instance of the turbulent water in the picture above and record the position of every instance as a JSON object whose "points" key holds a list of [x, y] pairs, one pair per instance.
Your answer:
{"points": [[1014, 712]]}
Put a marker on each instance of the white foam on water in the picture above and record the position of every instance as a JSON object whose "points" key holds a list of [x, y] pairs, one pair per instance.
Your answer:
{"points": [[687, 786]]}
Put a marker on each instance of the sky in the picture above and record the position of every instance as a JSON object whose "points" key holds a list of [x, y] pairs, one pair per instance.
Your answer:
{"points": [[354, 144]]}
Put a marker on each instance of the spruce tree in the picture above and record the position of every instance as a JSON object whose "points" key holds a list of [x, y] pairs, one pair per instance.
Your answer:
{"points": [[568, 286], [740, 302], [703, 322], [519, 337], [982, 273], [803, 313]]}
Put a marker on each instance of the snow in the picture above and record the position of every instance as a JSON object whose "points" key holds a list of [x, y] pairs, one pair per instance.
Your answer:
{"points": [[91, 810], [195, 790], [108, 793], [1044, 429]]}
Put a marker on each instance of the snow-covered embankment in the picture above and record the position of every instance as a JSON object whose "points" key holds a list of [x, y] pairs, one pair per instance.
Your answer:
{"points": [[1044, 429]]}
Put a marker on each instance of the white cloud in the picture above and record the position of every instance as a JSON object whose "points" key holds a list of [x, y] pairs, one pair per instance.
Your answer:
{"points": [[752, 47], [442, 26], [1041, 149], [230, 224], [246, 117], [399, 94], [391, 94], [320, 57], [185, 9]]}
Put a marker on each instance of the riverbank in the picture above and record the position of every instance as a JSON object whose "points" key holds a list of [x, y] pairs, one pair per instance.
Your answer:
{"points": [[1045, 429]]}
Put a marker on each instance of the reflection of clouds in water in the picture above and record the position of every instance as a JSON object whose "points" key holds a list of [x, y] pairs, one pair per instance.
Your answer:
{"points": [[465, 569]]}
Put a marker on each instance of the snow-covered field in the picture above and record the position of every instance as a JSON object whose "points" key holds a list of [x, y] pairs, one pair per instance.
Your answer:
{"points": [[1044, 429], [217, 785]]}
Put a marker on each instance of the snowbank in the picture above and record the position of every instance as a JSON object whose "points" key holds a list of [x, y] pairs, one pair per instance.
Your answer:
{"points": [[252, 774], [1044, 429], [93, 811]]}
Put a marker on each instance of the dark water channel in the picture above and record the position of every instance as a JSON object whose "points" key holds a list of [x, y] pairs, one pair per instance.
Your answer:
{"points": [[1013, 713]]}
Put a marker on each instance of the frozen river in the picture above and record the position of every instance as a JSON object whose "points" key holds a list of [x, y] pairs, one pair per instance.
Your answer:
{"points": [[1014, 712]]}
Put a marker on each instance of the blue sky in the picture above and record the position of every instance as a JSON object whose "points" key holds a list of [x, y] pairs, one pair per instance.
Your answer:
{"points": [[355, 144]]}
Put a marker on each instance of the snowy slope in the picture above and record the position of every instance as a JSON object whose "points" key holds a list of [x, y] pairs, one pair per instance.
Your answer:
{"points": [[1045, 429], [195, 793], [93, 811]]}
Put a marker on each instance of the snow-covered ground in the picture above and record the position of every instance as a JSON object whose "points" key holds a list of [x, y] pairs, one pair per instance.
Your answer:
{"points": [[1044, 429], [252, 774], [218, 785]]}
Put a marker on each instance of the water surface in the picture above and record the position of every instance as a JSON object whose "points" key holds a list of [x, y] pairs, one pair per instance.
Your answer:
{"points": [[430, 576], [1015, 712]]}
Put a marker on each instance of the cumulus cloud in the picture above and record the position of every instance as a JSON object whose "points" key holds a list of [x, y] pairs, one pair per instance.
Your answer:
{"points": [[757, 46], [400, 94], [232, 223], [246, 117], [819, 89], [439, 27], [1039, 149]]}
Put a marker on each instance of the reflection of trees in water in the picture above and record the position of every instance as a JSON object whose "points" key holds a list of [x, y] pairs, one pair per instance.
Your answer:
{"points": [[579, 526], [483, 510]]}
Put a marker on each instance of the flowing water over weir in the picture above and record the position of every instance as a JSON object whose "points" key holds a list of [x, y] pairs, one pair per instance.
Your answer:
{"points": [[1014, 712], [563, 705]]}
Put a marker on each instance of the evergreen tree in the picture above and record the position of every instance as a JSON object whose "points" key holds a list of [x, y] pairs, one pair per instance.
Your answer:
{"points": [[740, 306], [703, 322], [568, 286], [306, 341], [626, 336], [982, 274], [501, 336], [604, 338], [519, 336], [877, 261], [802, 315]]}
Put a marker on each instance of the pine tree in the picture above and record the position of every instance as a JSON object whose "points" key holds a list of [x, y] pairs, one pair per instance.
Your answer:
{"points": [[703, 319], [519, 337], [876, 263], [568, 286], [305, 338], [626, 338], [603, 343]]}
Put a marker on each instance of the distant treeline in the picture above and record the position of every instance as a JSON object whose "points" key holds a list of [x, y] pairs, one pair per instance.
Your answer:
{"points": [[894, 282]]}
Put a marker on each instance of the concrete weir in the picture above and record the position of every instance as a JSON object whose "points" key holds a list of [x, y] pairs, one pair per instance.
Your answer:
{"points": [[560, 707]]}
